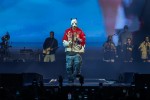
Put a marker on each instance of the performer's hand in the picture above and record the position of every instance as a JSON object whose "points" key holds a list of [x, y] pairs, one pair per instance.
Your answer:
{"points": [[70, 43], [49, 49], [80, 40]]}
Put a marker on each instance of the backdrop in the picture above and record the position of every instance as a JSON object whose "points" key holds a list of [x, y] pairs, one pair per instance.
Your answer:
{"points": [[30, 21]]}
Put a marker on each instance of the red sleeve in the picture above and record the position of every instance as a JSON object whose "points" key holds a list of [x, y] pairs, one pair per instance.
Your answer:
{"points": [[82, 36], [65, 35]]}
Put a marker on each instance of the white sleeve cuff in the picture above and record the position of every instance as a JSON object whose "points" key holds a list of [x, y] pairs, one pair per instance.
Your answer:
{"points": [[65, 43]]}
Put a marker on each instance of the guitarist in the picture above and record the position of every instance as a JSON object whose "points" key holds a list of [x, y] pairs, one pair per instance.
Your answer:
{"points": [[49, 48]]}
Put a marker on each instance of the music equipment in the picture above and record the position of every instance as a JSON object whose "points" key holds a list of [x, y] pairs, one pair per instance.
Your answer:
{"points": [[48, 50], [18, 80], [77, 46], [142, 80]]}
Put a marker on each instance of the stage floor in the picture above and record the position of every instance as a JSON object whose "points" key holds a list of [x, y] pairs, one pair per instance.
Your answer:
{"points": [[87, 82], [92, 67], [90, 70]]}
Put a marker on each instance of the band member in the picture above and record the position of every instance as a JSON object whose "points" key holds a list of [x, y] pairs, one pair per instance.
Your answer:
{"points": [[145, 50], [109, 50], [49, 48], [127, 50], [123, 36], [4, 47], [74, 43]]}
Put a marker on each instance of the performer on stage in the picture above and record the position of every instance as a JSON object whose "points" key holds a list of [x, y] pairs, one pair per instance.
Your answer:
{"points": [[4, 47], [127, 50], [109, 50], [123, 36], [145, 50], [74, 43], [49, 48]]}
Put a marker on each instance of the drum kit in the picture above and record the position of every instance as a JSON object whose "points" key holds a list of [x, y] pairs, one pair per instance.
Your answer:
{"points": [[23, 56]]}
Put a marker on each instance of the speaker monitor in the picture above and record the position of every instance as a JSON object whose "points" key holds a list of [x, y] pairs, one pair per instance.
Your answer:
{"points": [[18, 80], [29, 77], [142, 79], [128, 77], [11, 80]]}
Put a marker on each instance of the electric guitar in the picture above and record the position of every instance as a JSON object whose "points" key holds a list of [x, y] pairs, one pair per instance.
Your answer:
{"points": [[48, 50]]}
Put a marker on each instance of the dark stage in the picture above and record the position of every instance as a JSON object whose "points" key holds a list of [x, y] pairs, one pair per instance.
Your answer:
{"points": [[92, 68], [105, 81], [101, 80]]}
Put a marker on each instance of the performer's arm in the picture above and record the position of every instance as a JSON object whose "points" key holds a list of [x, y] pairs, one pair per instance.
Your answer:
{"points": [[83, 39], [141, 45], [45, 44], [55, 47], [65, 40], [114, 47], [104, 46]]}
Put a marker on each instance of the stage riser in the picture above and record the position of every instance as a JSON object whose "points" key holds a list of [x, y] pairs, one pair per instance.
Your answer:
{"points": [[97, 70]]}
